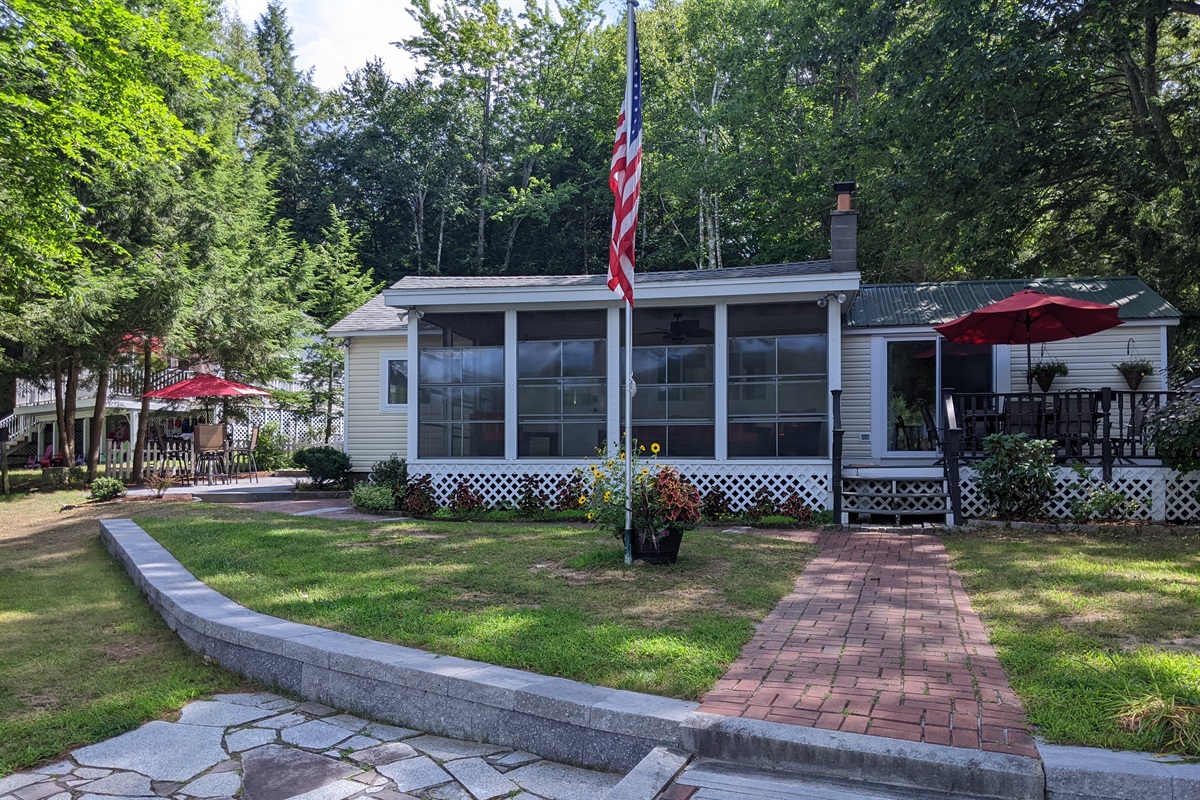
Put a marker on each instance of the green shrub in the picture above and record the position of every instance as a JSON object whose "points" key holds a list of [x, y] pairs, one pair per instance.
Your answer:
{"points": [[64, 477], [532, 501], [1175, 432], [392, 472], [762, 504], [822, 517], [159, 482], [326, 466], [269, 453], [106, 489], [1017, 477], [1102, 500], [373, 497]]}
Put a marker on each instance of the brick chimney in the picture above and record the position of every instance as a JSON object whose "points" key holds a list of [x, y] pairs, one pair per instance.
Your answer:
{"points": [[843, 230]]}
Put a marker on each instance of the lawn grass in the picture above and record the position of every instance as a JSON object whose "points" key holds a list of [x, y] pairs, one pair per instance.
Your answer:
{"points": [[550, 598], [1099, 633], [82, 656]]}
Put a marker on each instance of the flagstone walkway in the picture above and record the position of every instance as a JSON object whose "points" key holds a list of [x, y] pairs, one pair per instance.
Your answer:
{"points": [[266, 747], [878, 637]]}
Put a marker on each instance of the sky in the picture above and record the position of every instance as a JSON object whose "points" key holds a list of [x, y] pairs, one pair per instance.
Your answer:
{"points": [[333, 37], [336, 36]]}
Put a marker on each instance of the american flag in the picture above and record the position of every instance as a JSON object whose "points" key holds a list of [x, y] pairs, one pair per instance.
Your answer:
{"points": [[625, 176]]}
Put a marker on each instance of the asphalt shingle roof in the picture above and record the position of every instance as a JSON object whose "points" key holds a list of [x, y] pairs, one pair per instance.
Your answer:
{"points": [[372, 315]]}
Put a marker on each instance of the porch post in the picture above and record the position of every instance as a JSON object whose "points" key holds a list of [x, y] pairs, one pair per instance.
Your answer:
{"points": [[833, 354], [1106, 448], [412, 342], [721, 381], [951, 449], [510, 385], [836, 472]]}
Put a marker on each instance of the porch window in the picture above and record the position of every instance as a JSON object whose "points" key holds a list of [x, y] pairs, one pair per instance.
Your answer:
{"points": [[778, 381], [561, 397], [461, 388], [393, 381], [673, 368]]}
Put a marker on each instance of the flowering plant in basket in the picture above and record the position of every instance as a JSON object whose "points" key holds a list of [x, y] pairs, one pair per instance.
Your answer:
{"points": [[663, 501]]}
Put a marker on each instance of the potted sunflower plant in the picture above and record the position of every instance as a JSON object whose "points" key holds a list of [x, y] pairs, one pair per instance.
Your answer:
{"points": [[665, 504]]}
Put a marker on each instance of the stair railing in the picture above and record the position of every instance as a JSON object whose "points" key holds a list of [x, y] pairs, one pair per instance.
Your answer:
{"points": [[951, 452]]}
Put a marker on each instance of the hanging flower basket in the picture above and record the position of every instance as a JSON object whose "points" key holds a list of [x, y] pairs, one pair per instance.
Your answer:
{"points": [[1134, 371], [1044, 372]]}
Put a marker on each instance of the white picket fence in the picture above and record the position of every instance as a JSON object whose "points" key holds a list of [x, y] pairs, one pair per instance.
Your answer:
{"points": [[169, 458]]}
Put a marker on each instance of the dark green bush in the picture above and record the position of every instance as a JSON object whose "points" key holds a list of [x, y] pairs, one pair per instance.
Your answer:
{"points": [[1017, 477], [391, 472], [326, 466], [106, 489], [1175, 432]]}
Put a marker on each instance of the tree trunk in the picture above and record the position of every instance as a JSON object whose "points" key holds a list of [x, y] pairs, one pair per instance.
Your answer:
{"points": [[97, 434], [481, 241], [59, 410], [143, 418], [70, 402], [441, 238]]}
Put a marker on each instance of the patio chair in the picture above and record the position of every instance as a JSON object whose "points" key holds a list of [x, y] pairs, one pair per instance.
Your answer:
{"points": [[245, 455], [1130, 441], [1023, 415], [211, 454], [1075, 421]]}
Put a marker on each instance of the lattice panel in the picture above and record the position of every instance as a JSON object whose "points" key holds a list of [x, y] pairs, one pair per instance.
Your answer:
{"points": [[500, 482], [1139, 485], [1182, 497], [912, 495]]}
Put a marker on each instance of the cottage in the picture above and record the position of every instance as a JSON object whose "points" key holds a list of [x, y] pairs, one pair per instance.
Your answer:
{"points": [[738, 373]]}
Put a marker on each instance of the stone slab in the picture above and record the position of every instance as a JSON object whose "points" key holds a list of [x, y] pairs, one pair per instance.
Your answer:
{"points": [[14, 782], [518, 758], [413, 774], [448, 749], [274, 772], [559, 782], [338, 790], [282, 721], [358, 743], [1073, 773], [126, 784], [162, 751], [248, 739], [384, 754], [480, 778], [348, 721], [37, 791], [315, 735], [651, 776], [214, 784], [220, 715], [388, 733]]}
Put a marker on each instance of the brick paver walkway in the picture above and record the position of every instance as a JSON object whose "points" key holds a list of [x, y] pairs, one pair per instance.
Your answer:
{"points": [[878, 637]]}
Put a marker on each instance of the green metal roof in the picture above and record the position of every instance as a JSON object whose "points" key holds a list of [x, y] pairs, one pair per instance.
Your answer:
{"points": [[899, 304]]}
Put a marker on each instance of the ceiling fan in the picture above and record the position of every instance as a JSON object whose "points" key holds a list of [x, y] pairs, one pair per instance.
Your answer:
{"points": [[683, 329]]}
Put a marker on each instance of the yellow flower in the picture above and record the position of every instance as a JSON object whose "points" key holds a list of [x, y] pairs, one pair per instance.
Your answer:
{"points": [[645, 471], [642, 448], [607, 497], [654, 448], [591, 516], [582, 499], [610, 464]]}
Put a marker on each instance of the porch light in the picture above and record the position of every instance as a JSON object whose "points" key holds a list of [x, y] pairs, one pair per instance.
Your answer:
{"points": [[822, 302]]}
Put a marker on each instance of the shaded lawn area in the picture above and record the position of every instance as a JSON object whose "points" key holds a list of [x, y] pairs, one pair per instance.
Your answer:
{"points": [[1099, 633], [82, 656], [550, 598]]}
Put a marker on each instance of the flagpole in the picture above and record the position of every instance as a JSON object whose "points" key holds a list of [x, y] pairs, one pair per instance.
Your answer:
{"points": [[630, 44]]}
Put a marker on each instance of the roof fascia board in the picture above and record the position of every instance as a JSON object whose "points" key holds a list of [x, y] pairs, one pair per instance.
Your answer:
{"points": [[903, 330], [401, 329], [777, 287]]}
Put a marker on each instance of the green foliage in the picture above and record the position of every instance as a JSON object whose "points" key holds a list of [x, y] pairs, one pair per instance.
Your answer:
{"points": [[465, 498], [159, 483], [762, 504], [269, 453], [1048, 370], [715, 505], [532, 501], [392, 472], [63, 477], [1016, 478], [325, 465], [795, 507], [1175, 432], [663, 501], [1102, 501], [823, 517], [106, 489], [373, 497]]}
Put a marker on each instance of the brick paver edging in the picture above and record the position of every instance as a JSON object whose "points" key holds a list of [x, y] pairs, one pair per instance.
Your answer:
{"points": [[554, 717]]}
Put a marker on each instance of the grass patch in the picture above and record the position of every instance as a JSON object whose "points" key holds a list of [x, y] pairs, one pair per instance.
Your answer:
{"points": [[551, 598], [82, 656], [1099, 634]]}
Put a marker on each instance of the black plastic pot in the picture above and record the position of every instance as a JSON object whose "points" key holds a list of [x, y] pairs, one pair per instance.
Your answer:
{"points": [[667, 551]]}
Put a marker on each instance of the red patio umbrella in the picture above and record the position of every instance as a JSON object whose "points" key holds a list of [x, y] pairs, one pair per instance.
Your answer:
{"points": [[1030, 316], [202, 385]]}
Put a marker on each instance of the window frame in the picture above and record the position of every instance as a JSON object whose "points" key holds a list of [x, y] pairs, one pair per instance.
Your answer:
{"points": [[385, 359]]}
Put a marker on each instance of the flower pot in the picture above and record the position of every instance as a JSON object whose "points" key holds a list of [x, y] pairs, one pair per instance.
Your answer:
{"points": [[666, 553], [1133, 378], [1044, 380]]}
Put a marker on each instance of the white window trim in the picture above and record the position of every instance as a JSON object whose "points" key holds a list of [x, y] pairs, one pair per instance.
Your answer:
{"points": [[384, 406]]}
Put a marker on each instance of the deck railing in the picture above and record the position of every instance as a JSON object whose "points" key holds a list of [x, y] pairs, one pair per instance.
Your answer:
{"points": [[122, 382], [1102, 426]]}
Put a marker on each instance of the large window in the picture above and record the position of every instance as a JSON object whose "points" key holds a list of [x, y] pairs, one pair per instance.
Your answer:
{"points": [[778, 381], [673, 369], [461, 405], [561, 397]]}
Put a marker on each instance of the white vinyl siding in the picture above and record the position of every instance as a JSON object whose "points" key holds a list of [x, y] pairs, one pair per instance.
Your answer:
{"points": [[856, 397], [371, 434], [1090, 359]]}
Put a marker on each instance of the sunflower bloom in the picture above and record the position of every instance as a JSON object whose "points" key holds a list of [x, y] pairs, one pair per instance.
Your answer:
{"points": [[654, 448]]}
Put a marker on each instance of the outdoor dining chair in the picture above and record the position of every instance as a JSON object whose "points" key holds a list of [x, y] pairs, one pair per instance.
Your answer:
{"points": [[1075, 421], [244, 456], [212, 456], [1023, 415]]}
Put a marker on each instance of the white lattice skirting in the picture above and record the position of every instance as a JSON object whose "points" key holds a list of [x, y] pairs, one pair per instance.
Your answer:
{"points": [[500, 482], [1162, 494]]}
